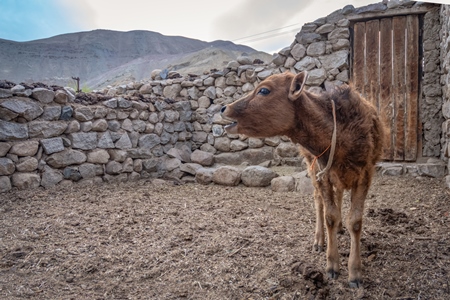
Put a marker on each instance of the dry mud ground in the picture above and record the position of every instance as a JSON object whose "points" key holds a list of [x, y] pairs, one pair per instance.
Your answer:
{"points": [[147, 240]]}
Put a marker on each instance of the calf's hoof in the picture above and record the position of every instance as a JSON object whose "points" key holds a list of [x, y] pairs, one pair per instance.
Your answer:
{"points": [[318, 248], [332, 274], [354, 284]]}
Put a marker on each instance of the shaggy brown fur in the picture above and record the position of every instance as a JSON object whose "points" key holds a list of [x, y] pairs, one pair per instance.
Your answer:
{"points": [[280, 106]]}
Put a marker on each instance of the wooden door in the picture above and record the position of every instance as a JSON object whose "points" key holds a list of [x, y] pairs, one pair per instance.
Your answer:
{"points": [[385, 69]]}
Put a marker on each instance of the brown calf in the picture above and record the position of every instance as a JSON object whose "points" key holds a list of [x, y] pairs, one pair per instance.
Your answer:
{"points": [[280, 106]]}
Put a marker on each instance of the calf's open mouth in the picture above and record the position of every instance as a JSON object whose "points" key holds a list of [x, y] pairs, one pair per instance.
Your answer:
{"points": [[231, 125]]}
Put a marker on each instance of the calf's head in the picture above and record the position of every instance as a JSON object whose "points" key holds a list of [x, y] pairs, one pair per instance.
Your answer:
{"points": [[269, 109]]}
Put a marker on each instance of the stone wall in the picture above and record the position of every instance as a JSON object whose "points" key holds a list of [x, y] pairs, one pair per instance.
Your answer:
{"points": [[445, 81], [322, 48], [162, 128], [431, 102]]}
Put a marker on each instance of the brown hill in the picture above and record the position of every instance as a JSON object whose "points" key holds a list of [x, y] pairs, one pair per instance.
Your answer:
{"points": [[103, 57]]}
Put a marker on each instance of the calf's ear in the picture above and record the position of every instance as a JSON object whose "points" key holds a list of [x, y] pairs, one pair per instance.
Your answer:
{"points": [[297, 84]]}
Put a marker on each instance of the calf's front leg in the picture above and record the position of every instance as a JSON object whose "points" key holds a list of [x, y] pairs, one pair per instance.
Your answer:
{"points": [[332, 218], [319, 236]]}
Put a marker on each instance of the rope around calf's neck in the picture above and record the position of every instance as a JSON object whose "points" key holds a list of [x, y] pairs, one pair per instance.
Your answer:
{"points": [[319, 176]]}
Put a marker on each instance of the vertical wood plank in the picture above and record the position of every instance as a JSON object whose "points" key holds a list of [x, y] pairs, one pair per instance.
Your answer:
{"points": [[359, 52], [386, 99], [412, 87], [372, 84], [399, 26]]}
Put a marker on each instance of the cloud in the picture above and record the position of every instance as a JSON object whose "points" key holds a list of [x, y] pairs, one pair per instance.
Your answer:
{"points": [[79, 13], [256, 16], [186, 18], [266, 24]]}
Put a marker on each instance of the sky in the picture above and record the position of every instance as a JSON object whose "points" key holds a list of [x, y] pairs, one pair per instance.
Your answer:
{"points": [[265, 25]]}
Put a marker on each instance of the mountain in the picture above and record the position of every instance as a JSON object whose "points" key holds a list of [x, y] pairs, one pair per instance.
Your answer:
{"points": [[102, 57]]}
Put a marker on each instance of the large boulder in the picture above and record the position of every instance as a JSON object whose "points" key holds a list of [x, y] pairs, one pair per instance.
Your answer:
{"points": [[88, 170], [98, 156], [105, 140], [237, 145], [52, 145], [4, 148], [298, 51], [190, 168], [316, 77], [283, 184], [124, 142], [43, 95], [204, 175], [251, 156], [83, 113], [51, 177], [5, 184], [390, 169], [203, 158], [113, 168], [305, 64], [26, 148], [26, 180], [61, 97], [303, 183], [172, 91], [66, 158], [335, 60], [84, 140], [287, 150], [13, 131], [46, 129], [435, 169], [27, 164], [149, 141], [257, 176], [7, 166], [227, 175], [24, 107], [172, 164], [222, 144]]}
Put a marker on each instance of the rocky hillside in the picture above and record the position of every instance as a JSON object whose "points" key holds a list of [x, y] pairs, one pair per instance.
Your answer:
{"points": [[103, 57]]}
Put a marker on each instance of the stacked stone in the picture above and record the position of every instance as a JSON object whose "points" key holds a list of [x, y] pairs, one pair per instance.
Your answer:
{"points": [[321, 48], [48, 138], [207, 94], [45, 140], [431, 105], [445, 80], [215, 87], [255, 176]]}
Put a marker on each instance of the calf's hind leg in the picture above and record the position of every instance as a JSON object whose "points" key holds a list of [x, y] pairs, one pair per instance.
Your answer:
{"points": [[339, 195], [354, 225]]}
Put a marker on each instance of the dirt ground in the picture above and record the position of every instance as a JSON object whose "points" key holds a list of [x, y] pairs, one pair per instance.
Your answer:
{"points": [[150, 240]]}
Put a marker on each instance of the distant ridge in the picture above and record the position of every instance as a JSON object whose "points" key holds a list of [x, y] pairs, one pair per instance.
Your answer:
{"points": [[102, 57]]}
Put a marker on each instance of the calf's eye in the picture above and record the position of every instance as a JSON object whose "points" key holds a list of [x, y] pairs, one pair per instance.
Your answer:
{"points": [[264, 91]]}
